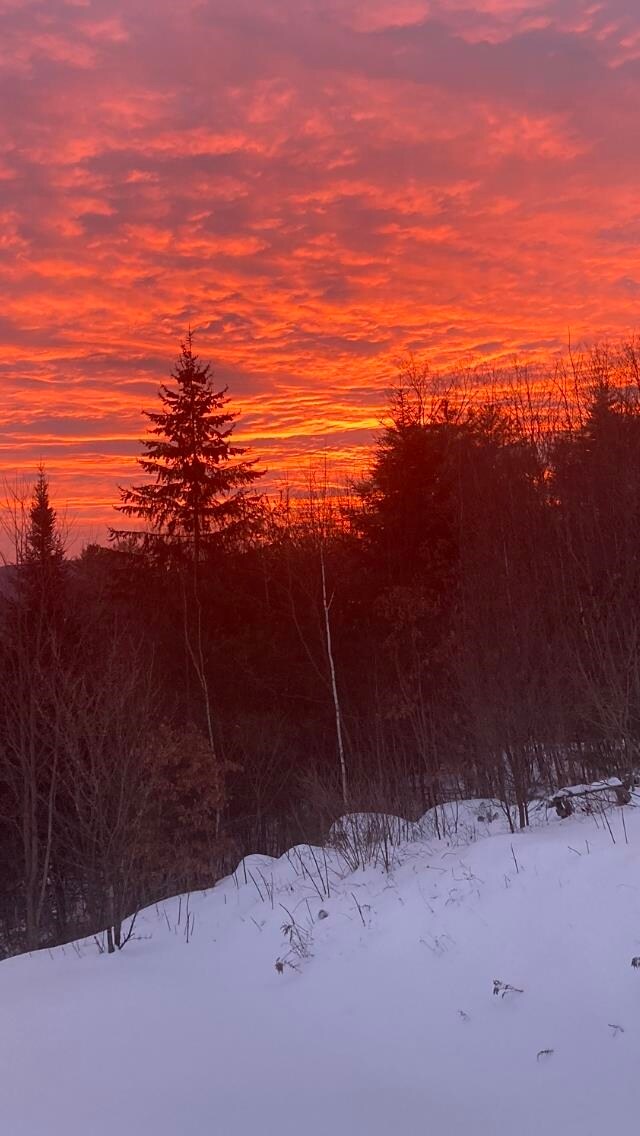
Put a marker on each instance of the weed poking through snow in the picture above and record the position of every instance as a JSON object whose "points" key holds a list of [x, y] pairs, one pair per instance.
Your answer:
{"points": [[504, 988]]}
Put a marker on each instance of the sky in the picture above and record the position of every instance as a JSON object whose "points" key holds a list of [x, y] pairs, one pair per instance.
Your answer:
{"points": [[317, 187]]}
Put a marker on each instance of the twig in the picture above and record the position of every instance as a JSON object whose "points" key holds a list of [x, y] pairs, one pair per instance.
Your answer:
{"points": [[359, 909]]}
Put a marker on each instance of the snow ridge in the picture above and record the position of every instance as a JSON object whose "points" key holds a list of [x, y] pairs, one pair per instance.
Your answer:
{"points": [[464, 979]]}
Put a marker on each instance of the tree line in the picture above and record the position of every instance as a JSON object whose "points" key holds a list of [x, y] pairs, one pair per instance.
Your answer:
{"points": [[232, 671]]}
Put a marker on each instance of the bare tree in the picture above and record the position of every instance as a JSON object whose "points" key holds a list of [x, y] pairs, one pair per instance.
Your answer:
{"points": [[106, 734]]}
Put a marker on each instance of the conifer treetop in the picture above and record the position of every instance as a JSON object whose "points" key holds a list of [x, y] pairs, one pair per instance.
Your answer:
{"points": [[196, 488], [43, 543]]}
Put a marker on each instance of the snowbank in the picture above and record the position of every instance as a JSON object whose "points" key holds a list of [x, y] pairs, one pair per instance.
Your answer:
{"points": [[381, 1015]]}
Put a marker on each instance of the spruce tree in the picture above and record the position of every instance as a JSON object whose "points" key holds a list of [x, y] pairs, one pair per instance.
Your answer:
{"points": [[43, 554], [43, 544], [196, 490]]}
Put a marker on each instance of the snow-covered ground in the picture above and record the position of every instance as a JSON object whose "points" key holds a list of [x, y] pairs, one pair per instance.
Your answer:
{"points": [[389, 1024]]}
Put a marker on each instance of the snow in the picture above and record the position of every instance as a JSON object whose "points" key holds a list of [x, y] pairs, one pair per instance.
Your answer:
{"points": [[593, 787], [390, 1022]]}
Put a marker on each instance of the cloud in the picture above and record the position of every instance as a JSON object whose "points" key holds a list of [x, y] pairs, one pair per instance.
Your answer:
{"points": [[315, 188]]}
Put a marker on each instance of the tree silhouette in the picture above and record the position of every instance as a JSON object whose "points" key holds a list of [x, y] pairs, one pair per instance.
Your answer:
{"points": [[43, 544], [197, 491], [42, 560]]}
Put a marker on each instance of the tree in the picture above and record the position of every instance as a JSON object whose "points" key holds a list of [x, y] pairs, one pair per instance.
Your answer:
{"points": [[43, 543], [196, 490], [595, 482], [408, 503], [409, 524], [42, 556], [31, 632], [105, 718]]}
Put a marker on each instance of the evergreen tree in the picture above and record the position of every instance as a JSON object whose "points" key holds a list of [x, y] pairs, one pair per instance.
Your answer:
{"points": [[43, 543], [408, 513], [196, 490], [43, 553]]}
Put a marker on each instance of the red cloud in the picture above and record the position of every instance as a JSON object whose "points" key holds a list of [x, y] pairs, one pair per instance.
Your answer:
{"points": [[315, 188]]}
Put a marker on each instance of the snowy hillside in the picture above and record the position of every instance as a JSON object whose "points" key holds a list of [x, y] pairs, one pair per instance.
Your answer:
{"points": [[380, 1015]]}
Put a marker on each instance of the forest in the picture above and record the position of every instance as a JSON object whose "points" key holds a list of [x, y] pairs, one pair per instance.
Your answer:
{"points": [[235, 669]]}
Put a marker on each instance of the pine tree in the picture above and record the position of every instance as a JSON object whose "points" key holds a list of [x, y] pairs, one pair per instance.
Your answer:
{"points": [[43, 545], [32, 629], [196, 490]]}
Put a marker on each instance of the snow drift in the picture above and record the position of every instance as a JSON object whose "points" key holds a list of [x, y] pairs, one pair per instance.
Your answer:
{"points": [[480, 984]]}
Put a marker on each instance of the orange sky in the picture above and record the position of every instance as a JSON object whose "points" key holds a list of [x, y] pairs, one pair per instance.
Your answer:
{"points": [[317, 186]]}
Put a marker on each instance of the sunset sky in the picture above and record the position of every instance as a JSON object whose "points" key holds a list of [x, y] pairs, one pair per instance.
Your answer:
{"points": [[317, 186]]}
